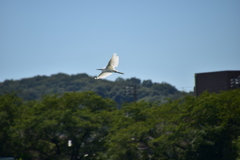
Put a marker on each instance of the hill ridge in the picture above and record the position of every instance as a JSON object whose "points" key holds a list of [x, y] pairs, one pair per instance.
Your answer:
{"points": [[35, 87]]}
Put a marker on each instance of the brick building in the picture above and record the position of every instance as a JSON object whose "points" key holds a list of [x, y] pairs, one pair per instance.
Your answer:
{"points": [[216, 81]]}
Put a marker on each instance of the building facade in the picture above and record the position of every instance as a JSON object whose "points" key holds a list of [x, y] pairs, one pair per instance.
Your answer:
{"points": [[216, 81]]}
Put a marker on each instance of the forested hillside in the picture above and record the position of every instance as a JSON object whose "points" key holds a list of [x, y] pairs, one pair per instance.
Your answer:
{"points": [[190, 128], [36, 87]]}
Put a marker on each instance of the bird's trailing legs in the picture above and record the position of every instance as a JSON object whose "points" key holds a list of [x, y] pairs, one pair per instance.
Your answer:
{"points": [[118, 72]]}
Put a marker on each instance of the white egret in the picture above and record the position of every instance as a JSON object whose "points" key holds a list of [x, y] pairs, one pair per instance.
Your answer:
{"points": [[112, 64]]}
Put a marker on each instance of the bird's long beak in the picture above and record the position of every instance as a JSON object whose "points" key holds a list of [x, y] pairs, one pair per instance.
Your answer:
{"points": [[99, 69]]}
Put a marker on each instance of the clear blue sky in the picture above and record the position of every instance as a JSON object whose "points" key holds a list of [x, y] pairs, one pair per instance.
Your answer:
{"points": [[162, 40]]}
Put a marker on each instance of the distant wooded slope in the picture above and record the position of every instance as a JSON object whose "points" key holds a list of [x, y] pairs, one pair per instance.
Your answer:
{"points": [[35, 87]]}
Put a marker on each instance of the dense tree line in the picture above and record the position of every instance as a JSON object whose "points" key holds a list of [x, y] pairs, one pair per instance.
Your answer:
{"points": [[35, 87], [195, 128]]}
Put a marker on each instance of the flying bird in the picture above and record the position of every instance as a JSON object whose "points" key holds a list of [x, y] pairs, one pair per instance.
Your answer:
{"points": [[112, 64]]}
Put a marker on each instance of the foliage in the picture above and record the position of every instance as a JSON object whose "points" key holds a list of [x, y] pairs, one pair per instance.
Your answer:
{"points": [[34, 88], [42, 128], [206, 127], [195, 128], [10, 107]]}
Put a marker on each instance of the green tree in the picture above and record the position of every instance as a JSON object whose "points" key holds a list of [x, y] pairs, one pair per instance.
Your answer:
{"points": [[199, 128], [10, 111], [129, 132], [205, 127], [45, 127]]}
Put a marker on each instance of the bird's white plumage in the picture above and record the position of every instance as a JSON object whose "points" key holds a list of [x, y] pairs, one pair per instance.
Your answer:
{"points": [[103, 75], [112, 64]]}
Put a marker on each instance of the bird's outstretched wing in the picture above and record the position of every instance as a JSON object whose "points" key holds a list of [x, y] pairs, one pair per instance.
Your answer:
{"points": [[113, 61], [103, 75]]}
